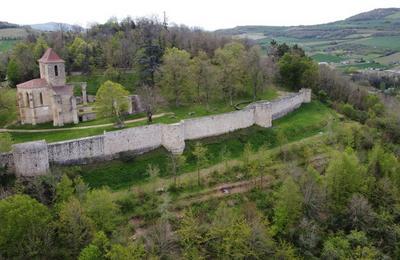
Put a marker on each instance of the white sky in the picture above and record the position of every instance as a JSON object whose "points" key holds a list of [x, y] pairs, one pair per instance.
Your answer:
{"points": [[208, 14]]}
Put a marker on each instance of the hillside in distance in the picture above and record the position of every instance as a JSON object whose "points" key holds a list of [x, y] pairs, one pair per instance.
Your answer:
{"points": [[370, 39], [53, 26]]}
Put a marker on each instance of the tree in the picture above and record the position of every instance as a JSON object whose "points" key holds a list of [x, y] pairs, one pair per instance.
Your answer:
{"points": [[247, 151], [336, 247], [203, 76], [5, 142], [297, 71], [255, 70], [97, 249], [111, 100], [288, 207], [25, 60], [176, 163], [79, 54], [175, 75], [344, 177], [101, 208], [190, 236], [13, 73], [230, 62], [134, 251], [64, 189], [26, 228], [40, 47], [229, 234], [200, 153], [75, 228]]}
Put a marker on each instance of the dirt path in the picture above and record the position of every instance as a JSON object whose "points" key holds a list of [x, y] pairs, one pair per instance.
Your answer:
{"points": [[78, 127], [223, 190]]}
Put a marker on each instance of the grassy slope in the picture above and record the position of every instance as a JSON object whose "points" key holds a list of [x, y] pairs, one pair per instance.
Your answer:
{"points": [[306, 121]]}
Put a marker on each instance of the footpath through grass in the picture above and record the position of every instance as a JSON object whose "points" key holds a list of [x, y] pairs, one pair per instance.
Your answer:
{"points": [[308, 120]]}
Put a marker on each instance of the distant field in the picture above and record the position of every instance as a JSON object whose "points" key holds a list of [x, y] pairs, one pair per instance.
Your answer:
{"points": [[387, 60], [322, 57], [389, 42], [13, 33], [6, 45]]}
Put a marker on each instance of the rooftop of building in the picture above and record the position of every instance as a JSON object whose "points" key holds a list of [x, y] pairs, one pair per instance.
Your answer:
{"points": [[50, 56]]}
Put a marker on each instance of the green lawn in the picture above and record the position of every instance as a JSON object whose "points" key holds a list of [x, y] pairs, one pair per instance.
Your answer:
{"points": [[118, 174], [195, 110]]}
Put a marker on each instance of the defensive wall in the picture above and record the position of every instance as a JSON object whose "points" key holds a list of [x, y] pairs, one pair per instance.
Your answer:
{"points": [[35, 158]]}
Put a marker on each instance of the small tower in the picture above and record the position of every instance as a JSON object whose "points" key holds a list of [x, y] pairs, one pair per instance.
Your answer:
{"points": [[52, 68]]}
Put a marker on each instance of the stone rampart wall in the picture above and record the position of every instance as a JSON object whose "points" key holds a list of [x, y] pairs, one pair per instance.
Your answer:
{"points": [[34, 158]]}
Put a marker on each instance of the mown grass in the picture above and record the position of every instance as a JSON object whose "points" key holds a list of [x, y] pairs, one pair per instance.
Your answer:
{"points": [[177, 114], [120, 174]]}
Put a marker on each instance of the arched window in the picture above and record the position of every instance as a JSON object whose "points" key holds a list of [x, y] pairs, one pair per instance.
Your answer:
{"points": [[41, 98], [27, 99], [56, 70]]}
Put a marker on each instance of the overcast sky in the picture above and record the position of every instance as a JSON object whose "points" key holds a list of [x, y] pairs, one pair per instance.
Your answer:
{"points": [[207, 14]]}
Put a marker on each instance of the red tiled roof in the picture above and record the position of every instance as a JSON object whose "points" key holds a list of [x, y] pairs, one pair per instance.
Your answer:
{"points": [[50, 56], [34, 83]]}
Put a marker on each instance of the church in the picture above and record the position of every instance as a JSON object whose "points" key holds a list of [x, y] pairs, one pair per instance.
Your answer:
{"points": [[48, 98]]}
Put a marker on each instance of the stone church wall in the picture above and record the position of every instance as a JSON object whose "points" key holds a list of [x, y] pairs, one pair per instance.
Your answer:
{"points": [[34, 158]]}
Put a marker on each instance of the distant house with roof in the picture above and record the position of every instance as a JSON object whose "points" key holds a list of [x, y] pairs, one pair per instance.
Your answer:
{"points": [[49, 98]]}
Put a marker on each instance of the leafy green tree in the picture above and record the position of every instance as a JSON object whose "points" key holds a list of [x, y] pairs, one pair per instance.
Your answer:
{"points": [[190, 236], [336, 247], [255, 70], [97, 249], [344, 177], [40, 47], [297, 71], [13, 73], [230, 60], [5, 142], [64, 189], [288, 207], [26, 228], [101, 208], [132, 251], [111, 100], [203, 76], [91, 252], [200, 153], [381, 163], [79, 54], [175, 165], [175, 75], [23, 55], [229, 234], [75, 228], [247, 152], [225, 155]]}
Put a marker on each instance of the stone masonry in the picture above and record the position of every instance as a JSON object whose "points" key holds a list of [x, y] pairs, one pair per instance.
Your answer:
{"points": [[35, 158]]}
